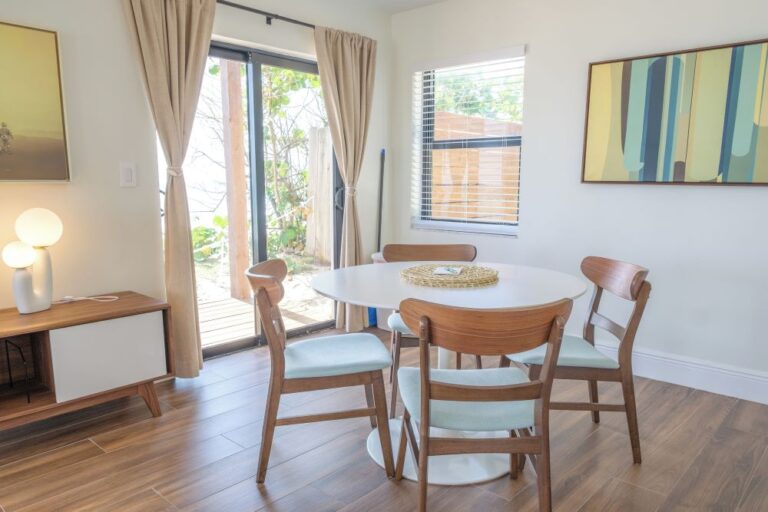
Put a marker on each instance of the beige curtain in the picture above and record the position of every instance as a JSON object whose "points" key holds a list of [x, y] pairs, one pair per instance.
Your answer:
{"points": [[173, 37], [347, 64]]}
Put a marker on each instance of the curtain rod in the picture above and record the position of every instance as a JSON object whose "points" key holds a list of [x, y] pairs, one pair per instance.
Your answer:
{"points": [[269, 15]]}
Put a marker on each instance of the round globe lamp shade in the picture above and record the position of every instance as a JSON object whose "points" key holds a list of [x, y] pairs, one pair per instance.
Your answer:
{"points": [[39, 227], [18, 255]]}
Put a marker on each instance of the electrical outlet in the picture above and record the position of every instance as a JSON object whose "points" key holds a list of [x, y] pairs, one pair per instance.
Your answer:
{"points": [[128, 176]]}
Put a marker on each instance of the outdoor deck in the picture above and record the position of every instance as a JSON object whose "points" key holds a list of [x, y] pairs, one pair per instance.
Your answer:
{"points": [[225, 320], [228, 319]]}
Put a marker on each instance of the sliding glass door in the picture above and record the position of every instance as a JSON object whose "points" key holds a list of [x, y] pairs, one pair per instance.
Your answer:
{"points": [[298, 185], [261, 182]]}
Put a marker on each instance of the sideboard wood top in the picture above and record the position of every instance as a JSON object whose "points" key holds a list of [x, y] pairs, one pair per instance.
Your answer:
{"points": [[75, 313]]}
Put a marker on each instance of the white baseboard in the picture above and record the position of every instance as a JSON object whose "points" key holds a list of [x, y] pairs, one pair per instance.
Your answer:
{"points": [[695, 373]]}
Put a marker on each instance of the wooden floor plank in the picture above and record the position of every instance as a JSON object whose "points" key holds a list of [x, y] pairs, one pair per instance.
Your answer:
{"points": [[719, 475], [218, 389], [290, 442], [620, 496], [386, 497], [300, 403], [239, 363], [288, 477], [171, 387], [76, 428], [749, 417], [580, 472], [665, 459], [145, 501], [661, 407], [116, 483], [110, 472], [755, 498], [359, 478], [186, 488], [472, 498], [221, 415], [15, 473], [307, 498]]}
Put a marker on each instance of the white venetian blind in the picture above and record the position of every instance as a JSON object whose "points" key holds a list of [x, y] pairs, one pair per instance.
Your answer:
{"points": [[466, 149]]}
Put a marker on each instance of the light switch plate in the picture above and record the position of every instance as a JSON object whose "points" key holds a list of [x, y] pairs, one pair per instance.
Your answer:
{"points": [[128, 176]]}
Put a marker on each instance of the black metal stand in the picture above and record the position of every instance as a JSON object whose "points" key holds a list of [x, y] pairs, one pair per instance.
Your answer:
{"points": [[23, 361]]}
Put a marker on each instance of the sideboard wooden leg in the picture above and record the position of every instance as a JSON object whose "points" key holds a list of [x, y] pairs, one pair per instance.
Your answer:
{"points": [[147, 392]]}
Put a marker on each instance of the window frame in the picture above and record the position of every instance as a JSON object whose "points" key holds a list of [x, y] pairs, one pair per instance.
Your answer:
{"points": [[429, 144]]}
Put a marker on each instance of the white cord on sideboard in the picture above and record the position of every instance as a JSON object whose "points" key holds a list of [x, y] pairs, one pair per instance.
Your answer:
{"points": [[96, 298]]}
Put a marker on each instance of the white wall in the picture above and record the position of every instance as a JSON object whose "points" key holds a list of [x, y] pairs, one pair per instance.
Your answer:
{"points": [[706, 247], [111, 235]]}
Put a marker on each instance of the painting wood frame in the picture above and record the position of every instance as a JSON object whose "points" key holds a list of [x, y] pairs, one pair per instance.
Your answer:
{"points": [[675, 173], [33, 145]]}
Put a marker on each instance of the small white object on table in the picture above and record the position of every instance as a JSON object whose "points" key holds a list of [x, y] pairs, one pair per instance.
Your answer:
{"points": [[380, 286]]}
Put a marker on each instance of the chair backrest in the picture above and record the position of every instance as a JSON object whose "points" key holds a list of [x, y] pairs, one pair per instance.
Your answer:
{"points": [[429, 252], [625, 280], [266, 280], [488, 332]]}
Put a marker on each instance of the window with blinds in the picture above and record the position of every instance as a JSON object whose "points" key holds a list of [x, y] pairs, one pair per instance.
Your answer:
{"points": [[466, 150]]}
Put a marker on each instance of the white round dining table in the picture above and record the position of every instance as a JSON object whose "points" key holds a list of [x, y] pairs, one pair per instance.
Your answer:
{"points": [[379, 285]]}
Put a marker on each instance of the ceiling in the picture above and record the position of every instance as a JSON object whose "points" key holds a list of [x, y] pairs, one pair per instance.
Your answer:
{"points": [[400, 5]]}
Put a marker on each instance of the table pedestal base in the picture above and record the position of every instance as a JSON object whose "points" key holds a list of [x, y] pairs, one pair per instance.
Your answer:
{"points": [[461, 469]]}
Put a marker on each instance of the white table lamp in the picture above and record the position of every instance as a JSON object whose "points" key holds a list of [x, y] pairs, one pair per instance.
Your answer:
{"points": [[38, 229]]}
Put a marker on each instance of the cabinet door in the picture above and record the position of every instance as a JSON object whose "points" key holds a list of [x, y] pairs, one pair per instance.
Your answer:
{"points": [[100, 356]]}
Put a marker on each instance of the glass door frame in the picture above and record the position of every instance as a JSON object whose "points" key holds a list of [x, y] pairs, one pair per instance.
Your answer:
{"points": [[253, 60]]}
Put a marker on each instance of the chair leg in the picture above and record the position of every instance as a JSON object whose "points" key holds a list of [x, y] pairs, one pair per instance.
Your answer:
{"points": [[628, 388], [458, 360], [479, 362], [514, 460], [423, 472], [524, 433], [504, 362], [268, 430], [396, 342], [412, 440], [392, 353], [380, 400], [594, 399], [369, 402], [402, 447], [543, 476], [534, 371]]}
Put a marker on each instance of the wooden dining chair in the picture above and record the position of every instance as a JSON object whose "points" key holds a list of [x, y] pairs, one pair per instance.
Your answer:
{"points": [[401, 336], [480, 400], [314, 364], [580, 360]]}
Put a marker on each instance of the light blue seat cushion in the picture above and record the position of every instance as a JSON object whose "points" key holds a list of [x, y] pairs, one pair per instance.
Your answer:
{"points": [[474, 416], [395, 322], [574, 351], [335, 355]]}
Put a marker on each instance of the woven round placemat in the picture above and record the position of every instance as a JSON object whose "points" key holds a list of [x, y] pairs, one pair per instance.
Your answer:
{"points": [[472, 276]]}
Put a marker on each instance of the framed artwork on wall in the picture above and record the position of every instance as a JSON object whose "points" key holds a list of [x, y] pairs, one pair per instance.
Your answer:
{"points": [[33, 142], [691, 117]]}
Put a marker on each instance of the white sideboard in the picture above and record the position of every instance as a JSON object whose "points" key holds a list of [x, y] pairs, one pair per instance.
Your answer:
{"points": [[83, 353]]}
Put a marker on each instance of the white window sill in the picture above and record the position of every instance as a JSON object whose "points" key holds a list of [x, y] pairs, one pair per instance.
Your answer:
{"points": [[466, 227]]}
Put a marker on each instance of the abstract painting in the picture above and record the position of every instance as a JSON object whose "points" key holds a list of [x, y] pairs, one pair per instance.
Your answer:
{"points": [[33, 145], [699, 116]]}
